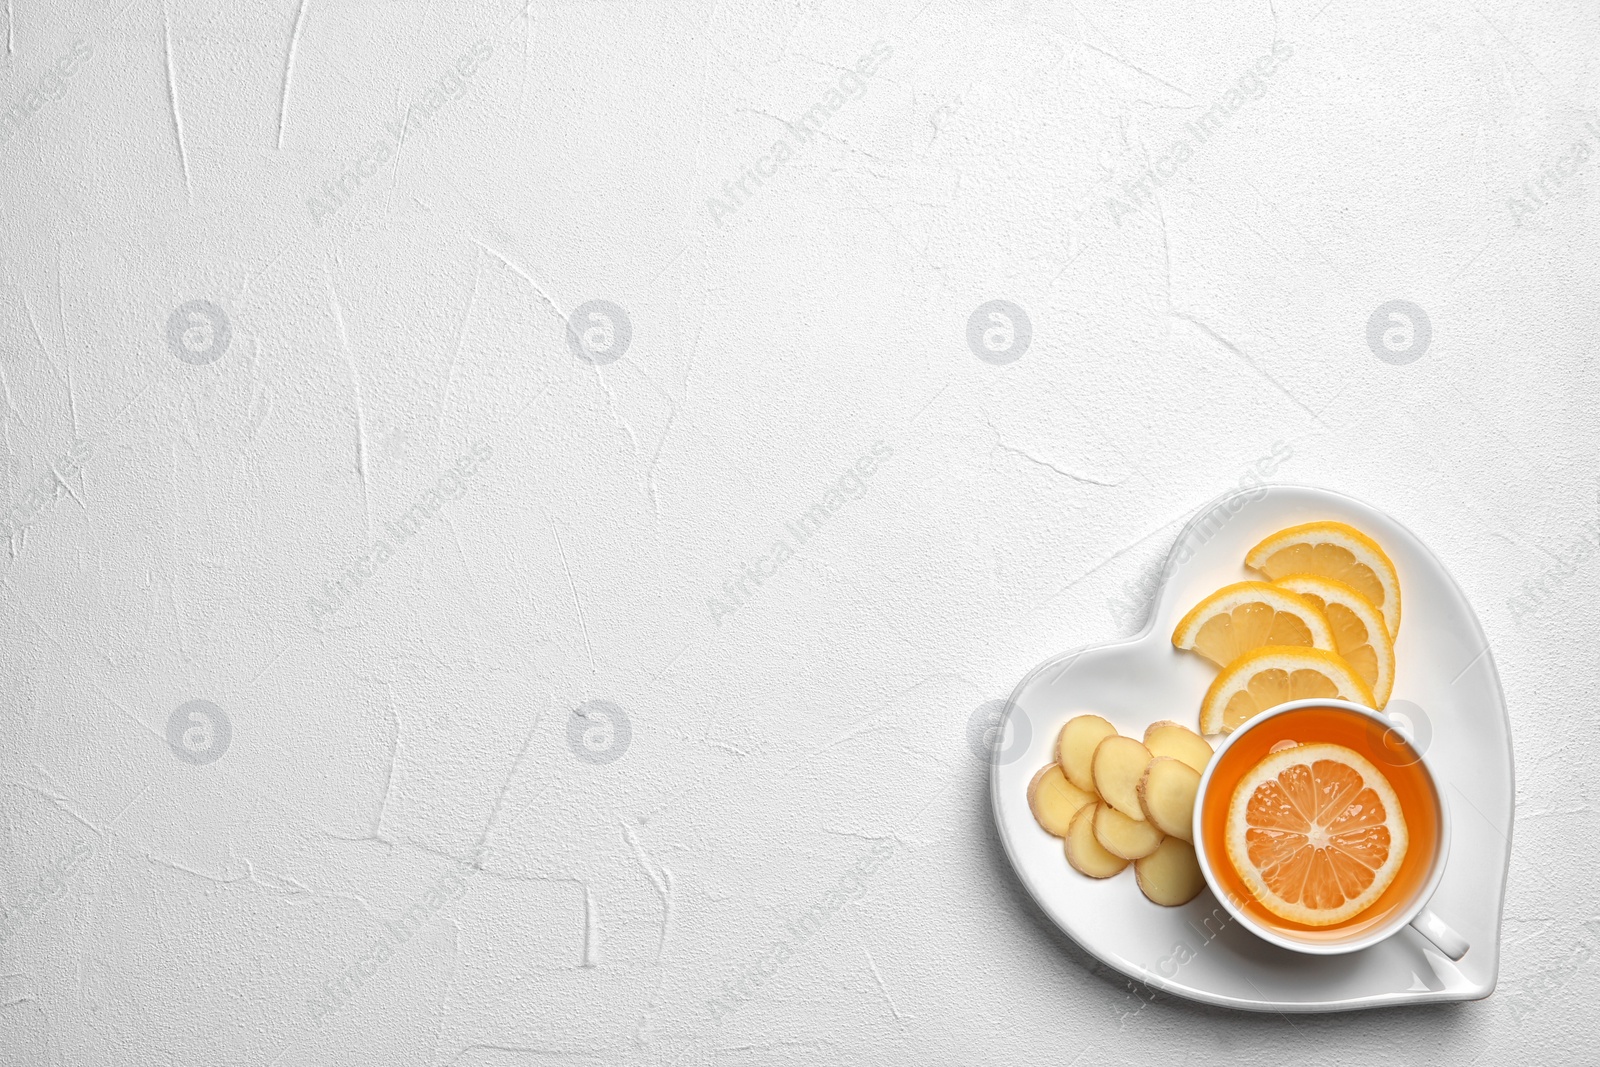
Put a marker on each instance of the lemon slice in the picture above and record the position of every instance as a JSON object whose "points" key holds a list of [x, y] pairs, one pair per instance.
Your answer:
{"points": [[1360, 635], [1316, 833], [1273, 675], [1333, 550], [1247, 615]]}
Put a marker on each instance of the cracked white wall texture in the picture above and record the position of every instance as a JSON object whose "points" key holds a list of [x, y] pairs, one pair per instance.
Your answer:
{"points": [[275, 274]]}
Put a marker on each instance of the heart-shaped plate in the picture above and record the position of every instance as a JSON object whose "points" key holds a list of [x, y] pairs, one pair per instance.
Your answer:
{"points": [[1446, 699]]}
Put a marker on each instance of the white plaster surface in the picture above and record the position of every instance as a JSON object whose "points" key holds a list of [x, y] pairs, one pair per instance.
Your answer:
{"points": [[398, 856]]}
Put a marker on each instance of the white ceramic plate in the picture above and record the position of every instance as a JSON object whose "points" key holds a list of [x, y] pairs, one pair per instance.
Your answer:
{"points": [[1445, 681]]}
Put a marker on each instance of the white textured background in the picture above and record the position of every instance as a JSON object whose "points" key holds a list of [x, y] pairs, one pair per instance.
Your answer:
{"points": [[169, 521]]}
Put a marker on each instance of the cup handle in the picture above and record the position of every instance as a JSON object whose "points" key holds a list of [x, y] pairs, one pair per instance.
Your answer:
{"points": [[1437, 931]]}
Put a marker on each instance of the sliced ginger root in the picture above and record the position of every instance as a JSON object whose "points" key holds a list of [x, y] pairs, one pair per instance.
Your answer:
{"points": [[1121, 836], [1054, 800], [1075, 748], [1118, 764], [1084, 851], [1167, 794], [1168, 738], [1170, 875]]}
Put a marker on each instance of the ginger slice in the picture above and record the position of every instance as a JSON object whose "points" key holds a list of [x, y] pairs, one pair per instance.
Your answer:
{"points": [[1170, 875], [1084, 852], [1168, 738], [1118, 764], [1166, 795], [1122, 836], [1075, 748], [1054, 800]]}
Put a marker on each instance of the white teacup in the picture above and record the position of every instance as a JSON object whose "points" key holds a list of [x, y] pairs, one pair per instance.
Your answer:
{"points": [[1390, 751]]}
